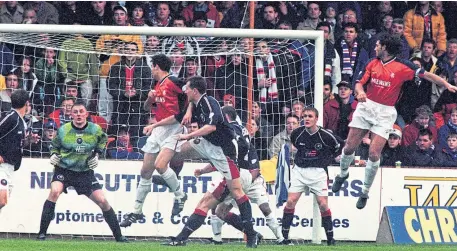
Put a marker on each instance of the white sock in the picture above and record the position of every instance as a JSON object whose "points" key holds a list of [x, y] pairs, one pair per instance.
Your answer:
{"points": [[272, 223], [173, 183], [144, 187], [370, 173], [345, 162], [216, 226]]}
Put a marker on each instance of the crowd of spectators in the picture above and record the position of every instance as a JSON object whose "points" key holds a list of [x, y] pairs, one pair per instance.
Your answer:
{"points": [[115, 87]]}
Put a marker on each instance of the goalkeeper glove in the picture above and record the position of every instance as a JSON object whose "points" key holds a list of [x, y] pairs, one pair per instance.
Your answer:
{"points": [[92, 163], [55, 159]]}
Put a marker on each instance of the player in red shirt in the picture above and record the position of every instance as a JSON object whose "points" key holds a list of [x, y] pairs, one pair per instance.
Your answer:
{"points": [[375, 112], [161, 146]]}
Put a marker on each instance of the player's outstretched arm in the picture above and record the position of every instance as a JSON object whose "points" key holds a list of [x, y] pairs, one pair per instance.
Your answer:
{"points": [[439, 81]]}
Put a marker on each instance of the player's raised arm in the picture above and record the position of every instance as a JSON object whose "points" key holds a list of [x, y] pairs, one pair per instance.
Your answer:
{"points": [[439, 81]]}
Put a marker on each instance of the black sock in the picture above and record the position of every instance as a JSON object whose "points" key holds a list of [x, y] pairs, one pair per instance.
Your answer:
{"points": [[327, 223], [46, 216], [235, 220], [287, 218], [110, 218], [194, 222], [246, 214], [158, 180]]}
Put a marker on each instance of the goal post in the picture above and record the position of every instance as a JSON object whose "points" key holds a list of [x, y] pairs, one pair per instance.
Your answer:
{"points": [[11, 33]]}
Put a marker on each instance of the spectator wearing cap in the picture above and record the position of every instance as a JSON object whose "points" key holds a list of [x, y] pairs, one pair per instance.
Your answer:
{"points": [[423, 120], [205, 8], [425, 22], [122, 147], [98, 14], [46, 12], [120, 17], [423, 152], [42, 148], [162, 16], [11, 13], [338, 111], [393, 151], [449, 128]]}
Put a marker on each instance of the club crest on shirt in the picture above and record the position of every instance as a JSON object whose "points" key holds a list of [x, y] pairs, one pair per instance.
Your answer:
{"points": [[4, 182], [79, 140], [318, 146], [60, 177], [392, 75]]}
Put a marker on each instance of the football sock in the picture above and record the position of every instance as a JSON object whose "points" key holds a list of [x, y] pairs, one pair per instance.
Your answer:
{"points": [[272, 223], [235, 221], [370, 173], [46, 216], [193, 223], [173, 183], [246, 214], [216, 226], [345, 162], [287, 218], [111, 219], [144, 187], [327, 223]]}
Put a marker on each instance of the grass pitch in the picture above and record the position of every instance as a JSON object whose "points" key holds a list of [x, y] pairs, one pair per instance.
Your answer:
{"points": [[88, 245]]}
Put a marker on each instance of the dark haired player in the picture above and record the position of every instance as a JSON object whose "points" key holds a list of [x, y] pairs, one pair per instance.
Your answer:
{"points": [[74, 155], [217, 144], [161, 144], [12, 135], [383, 78]]}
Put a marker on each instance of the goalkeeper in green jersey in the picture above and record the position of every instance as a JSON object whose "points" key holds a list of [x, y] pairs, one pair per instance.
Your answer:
{"points": [[74, 155]]}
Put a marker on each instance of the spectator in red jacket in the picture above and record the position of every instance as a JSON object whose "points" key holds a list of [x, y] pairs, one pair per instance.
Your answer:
{"points": [[423, 120], [338, 111]]}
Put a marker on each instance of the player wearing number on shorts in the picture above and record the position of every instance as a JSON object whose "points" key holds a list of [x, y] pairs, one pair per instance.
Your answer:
{"points": [[383, 78], [74, 155], [316, 148]]}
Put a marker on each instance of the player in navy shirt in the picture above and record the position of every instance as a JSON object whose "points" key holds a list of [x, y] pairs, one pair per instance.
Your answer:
{"points": [[12, 135], [316, 148], [218, 145]]}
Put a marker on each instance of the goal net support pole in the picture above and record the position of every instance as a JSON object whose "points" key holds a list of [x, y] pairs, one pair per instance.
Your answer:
{"points": [[316, 36]]}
